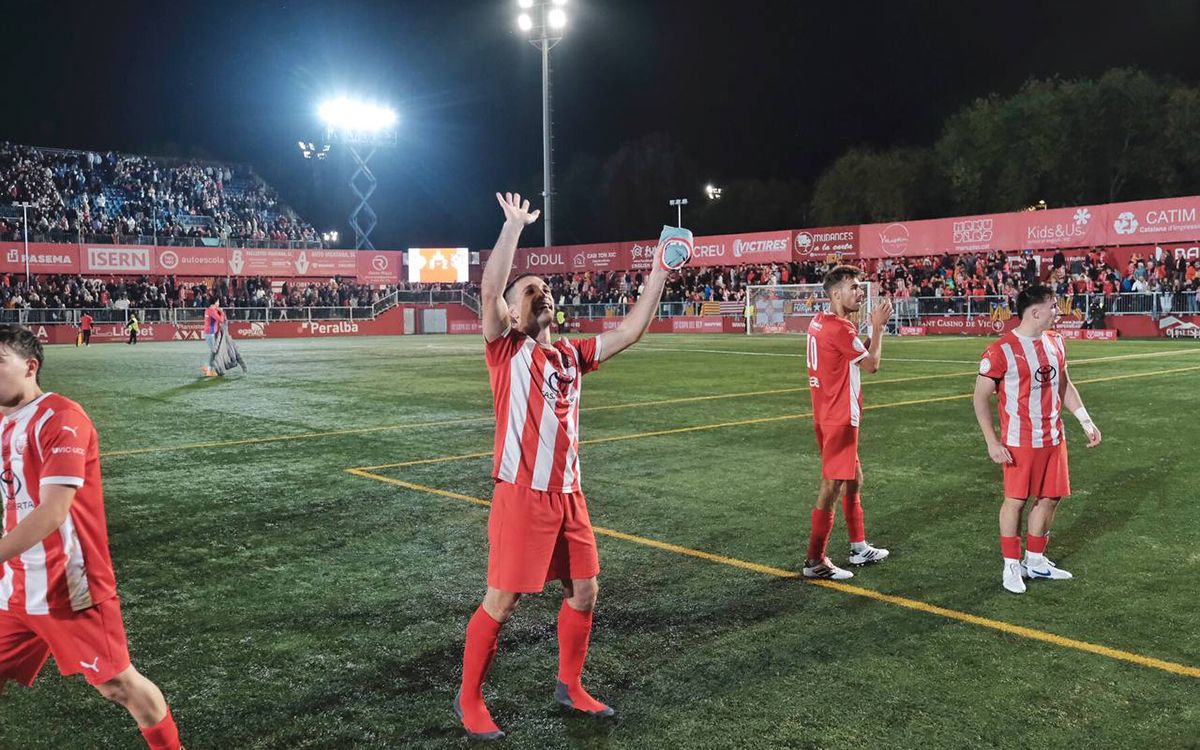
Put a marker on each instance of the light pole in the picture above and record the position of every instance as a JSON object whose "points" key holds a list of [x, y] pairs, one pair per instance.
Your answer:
{"points": [[545, 22], [25, 206], [679, 203], [359, 124]]}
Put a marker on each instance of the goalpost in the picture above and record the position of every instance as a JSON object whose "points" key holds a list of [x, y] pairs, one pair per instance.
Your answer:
{"points": [[788, 308]]}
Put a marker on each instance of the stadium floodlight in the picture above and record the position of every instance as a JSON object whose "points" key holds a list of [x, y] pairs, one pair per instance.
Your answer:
{"points": [[355, 116], [359, 124], [679, 203], [25, 206], [544, 21], [713, 192]]}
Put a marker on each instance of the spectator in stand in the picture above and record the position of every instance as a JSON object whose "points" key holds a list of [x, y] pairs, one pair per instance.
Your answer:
{"points": [[167, 200]]}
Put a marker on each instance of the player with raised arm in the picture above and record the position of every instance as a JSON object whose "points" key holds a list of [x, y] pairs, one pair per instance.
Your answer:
{"points": [[835, 358], [538, 528], [58, 593], [1027, 368]]}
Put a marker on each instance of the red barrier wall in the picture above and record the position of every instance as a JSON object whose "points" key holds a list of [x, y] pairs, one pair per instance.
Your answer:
{"points": [[369, 267]]}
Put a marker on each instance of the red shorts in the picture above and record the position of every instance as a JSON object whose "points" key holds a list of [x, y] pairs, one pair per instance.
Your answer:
{"points": [[1037, 472], [534, 537], [838, 444], [90, 642]]}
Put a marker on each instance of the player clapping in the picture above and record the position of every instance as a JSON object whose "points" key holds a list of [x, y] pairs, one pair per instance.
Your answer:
{"points": [[836, 358]]}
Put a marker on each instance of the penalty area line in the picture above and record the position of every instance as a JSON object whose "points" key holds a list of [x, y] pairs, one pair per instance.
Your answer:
{"points": [[899, 601]]}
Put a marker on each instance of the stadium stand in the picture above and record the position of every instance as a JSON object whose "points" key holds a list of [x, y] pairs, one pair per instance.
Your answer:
{"points": [[111, 197]]}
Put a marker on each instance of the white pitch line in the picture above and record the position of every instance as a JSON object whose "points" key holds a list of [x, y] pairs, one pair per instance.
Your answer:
{"points": [[1113, 358]]}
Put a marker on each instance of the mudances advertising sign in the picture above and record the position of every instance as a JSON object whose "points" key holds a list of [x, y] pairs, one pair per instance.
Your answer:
{"points": [[826, 244]]}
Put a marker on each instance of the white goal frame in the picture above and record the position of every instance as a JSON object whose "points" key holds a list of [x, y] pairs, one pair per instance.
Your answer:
{"points": [[788, 308]]}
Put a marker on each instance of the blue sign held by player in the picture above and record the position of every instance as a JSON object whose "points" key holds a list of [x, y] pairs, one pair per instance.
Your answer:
{"points": [[676, 245]]}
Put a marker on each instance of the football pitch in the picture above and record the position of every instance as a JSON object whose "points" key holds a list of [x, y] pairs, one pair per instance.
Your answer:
{"points": [[298, 551]]}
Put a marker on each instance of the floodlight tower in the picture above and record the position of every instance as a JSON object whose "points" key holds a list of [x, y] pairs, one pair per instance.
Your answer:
{"points": [[370, 127], [545, 22]]}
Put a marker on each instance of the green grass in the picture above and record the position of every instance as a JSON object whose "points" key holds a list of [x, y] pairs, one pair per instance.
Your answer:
{"points": [[283, 603]]}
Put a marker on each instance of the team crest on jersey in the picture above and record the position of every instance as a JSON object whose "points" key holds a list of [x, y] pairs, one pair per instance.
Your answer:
{"points": [[20, 443]]}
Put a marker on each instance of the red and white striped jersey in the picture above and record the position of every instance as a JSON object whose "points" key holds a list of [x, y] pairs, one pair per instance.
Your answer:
{"points": [[536, 392], [834, 380], [1029, 375], [48, 441]]}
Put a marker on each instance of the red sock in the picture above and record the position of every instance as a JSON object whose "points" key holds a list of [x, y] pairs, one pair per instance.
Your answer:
{"points": [[822, 526], [574, 632], [483, 633], [1036, 544], [852, 510], [1010, 547], [164, 735]]}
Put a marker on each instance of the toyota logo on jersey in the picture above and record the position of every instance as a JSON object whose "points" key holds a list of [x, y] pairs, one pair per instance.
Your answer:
{"points": [[1045, 374]]}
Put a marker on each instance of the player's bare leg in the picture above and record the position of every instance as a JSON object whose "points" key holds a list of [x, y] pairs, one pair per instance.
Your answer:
{"points": [[1041, 518], [483, 633], [1010, 543], [145, 703], [861, 551], [574, 632], [817, 563]]}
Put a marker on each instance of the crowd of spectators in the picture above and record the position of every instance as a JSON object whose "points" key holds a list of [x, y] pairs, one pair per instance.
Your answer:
{"points": [[75, 292], [946, 282], [120, 198]]}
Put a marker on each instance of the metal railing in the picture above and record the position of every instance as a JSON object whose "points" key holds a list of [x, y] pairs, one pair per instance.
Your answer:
{"points": [[909, 308], [185, 315], [1128, 303]]}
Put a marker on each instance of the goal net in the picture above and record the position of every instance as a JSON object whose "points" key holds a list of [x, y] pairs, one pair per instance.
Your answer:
{"points": [[788, 308]]}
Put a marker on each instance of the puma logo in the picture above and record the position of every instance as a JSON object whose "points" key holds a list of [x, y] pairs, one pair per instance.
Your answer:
{"points": [[94, 666], [73, 430]]}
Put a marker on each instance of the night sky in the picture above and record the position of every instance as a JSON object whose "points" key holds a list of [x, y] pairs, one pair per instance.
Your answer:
{"points": [[750, 89]]}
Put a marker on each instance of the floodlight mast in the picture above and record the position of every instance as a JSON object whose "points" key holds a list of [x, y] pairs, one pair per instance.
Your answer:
{"points": [[369, 127], [544, 21]]}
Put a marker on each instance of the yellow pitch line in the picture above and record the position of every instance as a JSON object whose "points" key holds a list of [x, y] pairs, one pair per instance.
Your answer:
{"points": [[759, 420], [637, 404], [900, 601]]}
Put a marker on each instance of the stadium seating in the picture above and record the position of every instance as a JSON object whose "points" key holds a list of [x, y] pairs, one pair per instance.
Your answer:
{"points": [[115, 197]]}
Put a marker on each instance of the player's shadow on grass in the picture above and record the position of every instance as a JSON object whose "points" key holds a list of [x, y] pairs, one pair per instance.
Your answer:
{"points": [[198, 385]]}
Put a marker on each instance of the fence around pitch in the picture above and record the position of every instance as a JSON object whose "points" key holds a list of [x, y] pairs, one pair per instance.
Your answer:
{"points": [[1155, 304], [182, 315]]}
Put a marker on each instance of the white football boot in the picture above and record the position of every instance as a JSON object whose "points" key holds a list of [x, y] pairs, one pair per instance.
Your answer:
{"points": [[827, 570], [1043, 569], [1012, 577], [868, 555]]}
